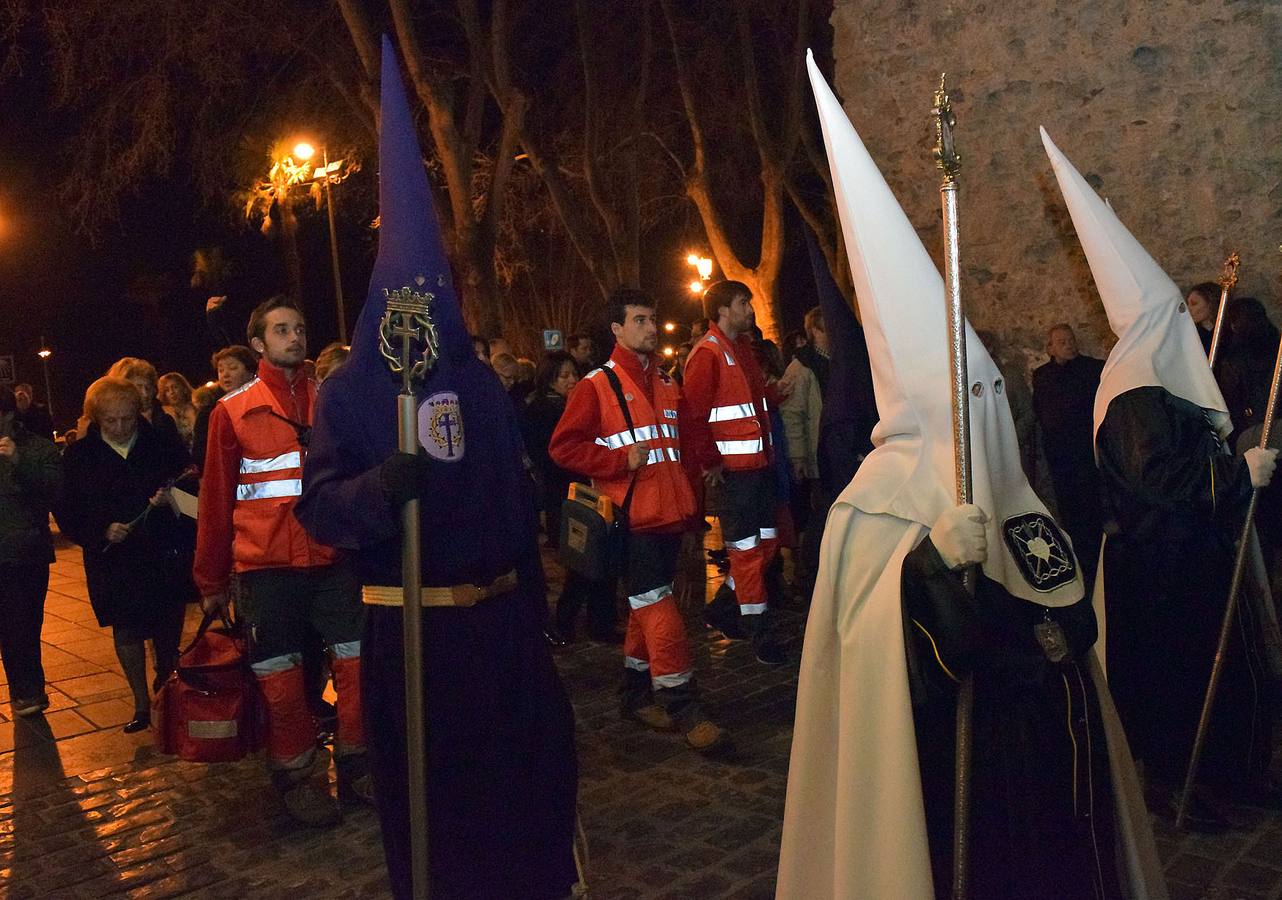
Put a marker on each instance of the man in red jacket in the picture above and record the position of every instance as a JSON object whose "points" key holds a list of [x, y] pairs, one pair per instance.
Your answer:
{"points": [[258, 437], [728, 432], [621, 427]]}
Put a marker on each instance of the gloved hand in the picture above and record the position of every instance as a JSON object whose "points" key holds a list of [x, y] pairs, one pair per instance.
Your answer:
{"points": [[958, 535], [401, 476], [1261, 463]]}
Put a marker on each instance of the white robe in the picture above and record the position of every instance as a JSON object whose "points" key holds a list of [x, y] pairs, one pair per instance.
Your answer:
{"points": [[854, 824]]}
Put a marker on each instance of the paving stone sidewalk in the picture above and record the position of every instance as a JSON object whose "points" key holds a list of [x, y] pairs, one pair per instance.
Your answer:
{"points": [[88, 812]]}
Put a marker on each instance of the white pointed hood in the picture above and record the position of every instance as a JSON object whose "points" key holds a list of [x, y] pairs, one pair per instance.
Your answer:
{"points": [[1157, 342], [903, 307]]}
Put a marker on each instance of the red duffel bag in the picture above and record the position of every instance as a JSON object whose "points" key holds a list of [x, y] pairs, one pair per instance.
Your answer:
{"points": [[209, 709]]}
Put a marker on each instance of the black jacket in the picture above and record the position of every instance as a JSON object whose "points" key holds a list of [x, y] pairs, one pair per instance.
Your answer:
{"points": [[146, 571], [28, 491]]}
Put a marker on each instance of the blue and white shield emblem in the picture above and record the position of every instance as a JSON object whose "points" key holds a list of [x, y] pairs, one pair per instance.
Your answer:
{"points": [[440, 427]]}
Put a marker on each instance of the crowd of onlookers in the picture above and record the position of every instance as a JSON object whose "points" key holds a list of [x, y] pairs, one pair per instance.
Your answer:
{"points": [[142, 436]]}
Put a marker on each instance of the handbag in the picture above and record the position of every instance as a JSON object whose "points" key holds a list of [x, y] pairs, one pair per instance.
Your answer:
{"points": [[210, 709], [594, 532]]}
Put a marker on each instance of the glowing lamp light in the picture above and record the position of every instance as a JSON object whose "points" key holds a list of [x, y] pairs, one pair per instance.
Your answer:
{"points": [[304, 151], [705, 268], [696, 287], [669, 327], [693, 259], [668, 351], [44, 353], [211, 384]]}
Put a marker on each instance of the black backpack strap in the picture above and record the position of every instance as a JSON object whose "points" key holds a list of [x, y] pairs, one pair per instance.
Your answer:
{"points": [[611, 377]]}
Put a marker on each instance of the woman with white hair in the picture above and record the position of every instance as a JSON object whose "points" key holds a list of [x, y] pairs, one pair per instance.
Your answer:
{"points": [[116, 507]]}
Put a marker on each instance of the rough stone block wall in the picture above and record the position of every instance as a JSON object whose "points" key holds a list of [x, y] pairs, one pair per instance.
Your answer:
{"points": [[1172, 109]]}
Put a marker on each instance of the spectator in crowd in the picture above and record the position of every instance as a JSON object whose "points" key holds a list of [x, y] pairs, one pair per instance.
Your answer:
{"points": [[583, 351], [1064, 403], [204, 398], [1247, 355], [525, 372], [504, 365], [814, 354], [481, 347], [698, 328], [1204, 303], [117, 508], [258, 441], [792, 342], [679, 361], [33, 416], [329, 359], [175, 395], [30, 484], [801, 409], [235, 367], [500, 345], [557, 376], [142, 375]]}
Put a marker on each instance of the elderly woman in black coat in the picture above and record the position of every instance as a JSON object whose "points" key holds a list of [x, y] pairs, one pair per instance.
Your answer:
{"points": [[116, 507]]}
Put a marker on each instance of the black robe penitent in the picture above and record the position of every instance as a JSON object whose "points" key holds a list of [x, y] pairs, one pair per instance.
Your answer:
{"points": [[1042, 807], [1178, 499]]}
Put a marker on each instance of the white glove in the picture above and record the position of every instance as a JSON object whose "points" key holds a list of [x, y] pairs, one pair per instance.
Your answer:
{"points": [[958, 535], [1261, 463]]}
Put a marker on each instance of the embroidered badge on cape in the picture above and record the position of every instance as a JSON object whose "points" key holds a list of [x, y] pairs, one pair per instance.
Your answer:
{"points": [[440, 427], [1039, 548]]}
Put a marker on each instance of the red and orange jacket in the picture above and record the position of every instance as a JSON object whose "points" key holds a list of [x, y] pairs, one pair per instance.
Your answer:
{"points": [[725, 392], [593, 438], [251, 481]]}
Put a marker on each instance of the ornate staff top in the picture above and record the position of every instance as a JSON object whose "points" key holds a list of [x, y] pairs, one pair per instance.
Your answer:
{"points": [[407, 336], [1229, 277], [946, 155]]}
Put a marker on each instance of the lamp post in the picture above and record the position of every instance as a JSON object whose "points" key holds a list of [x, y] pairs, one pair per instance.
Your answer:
{"points": [[702, 265], [306, 151], [44, 353]]}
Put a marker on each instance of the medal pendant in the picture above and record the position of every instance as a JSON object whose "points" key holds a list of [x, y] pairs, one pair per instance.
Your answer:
{"points": [[1050, 637]]}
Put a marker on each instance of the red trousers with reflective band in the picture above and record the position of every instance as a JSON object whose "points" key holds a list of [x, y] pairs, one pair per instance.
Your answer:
{"points": [[656, 639], [748, 529], [283, 608]]}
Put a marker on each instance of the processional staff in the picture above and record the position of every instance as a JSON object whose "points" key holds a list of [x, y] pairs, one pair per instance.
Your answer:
{"points": [[1227, 281], [1244, 545], [409, 344], [949, 161]]}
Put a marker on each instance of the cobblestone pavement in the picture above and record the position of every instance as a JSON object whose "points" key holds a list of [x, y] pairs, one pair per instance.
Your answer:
{"points": [[86, 811]]}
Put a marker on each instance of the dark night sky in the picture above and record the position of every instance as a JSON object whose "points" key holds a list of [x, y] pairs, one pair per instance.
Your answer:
{"points": [[128, 293]]}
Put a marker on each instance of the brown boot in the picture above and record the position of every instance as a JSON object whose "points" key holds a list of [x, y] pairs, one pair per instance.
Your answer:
{"points": [[652, 716], [705, 737]]}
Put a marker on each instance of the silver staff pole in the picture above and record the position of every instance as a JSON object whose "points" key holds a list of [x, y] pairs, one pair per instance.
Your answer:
{"points": [[1230, 607], [408, 342], [949, 162], [1227, 280]]}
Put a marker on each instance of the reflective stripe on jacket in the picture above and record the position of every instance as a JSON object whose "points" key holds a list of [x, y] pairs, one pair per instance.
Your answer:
{"points": [[662, 496], [735, 420], [265, 532]]}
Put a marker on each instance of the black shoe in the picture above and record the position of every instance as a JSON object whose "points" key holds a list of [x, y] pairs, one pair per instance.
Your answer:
{"points": [[30, 706], [769, 651], [723, 614], [140, 722]]}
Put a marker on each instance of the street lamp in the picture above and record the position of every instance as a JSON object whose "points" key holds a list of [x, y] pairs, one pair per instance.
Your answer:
{"points": [[305, 151], [44, 353], [702, 265]]}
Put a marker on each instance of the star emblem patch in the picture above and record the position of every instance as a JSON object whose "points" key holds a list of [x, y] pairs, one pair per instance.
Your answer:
{"points": [[1040, 550]]}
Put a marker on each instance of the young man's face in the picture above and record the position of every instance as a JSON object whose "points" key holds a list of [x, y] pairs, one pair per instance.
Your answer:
{"points": [[639, 331], [284, 340], [739, 314], [22, 394], [582, 351]]}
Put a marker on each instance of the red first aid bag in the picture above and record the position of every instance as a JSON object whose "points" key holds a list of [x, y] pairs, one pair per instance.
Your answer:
{"points": [[209, 709]]}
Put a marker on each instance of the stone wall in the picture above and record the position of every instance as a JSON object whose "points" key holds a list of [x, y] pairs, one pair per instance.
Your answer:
{"points": [[1170, 108]]}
